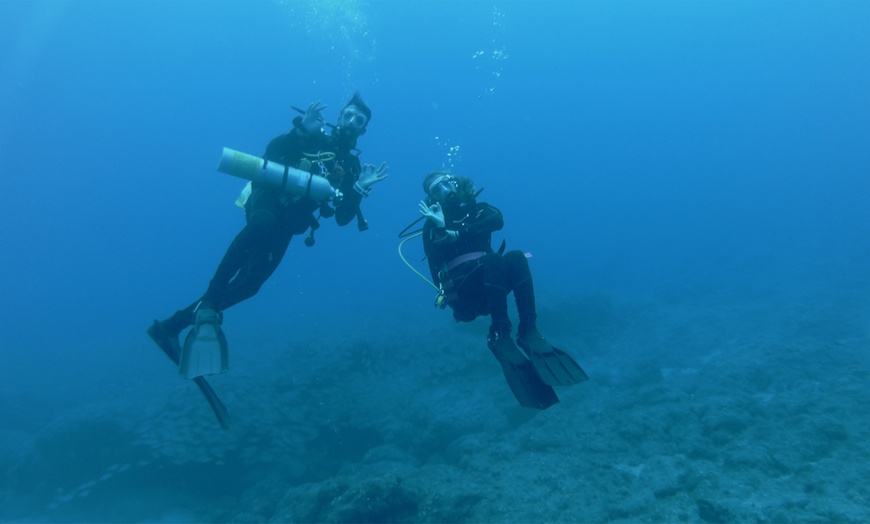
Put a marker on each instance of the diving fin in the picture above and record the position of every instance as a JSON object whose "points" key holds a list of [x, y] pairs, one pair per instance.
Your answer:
{"points": [[205, 350], [169, 344], [528, 388], [554, 366]]}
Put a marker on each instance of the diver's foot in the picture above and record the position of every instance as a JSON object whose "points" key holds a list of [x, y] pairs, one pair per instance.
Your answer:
{"points": [[534, 341], [505, 350], [166, 340], [554, 366]]}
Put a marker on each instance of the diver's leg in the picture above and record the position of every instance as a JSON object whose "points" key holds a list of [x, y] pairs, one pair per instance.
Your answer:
{"points": [[495, 290], [249, 244], [519, 277], [554, 366], [234, 260], [166, 333], [179, 320], [258, 267], [525, 384], [252, 257]]}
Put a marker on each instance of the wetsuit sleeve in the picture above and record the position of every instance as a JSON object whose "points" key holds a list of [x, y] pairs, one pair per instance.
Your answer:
{"points": [[275, 148], [485, 219], [350, 201]]}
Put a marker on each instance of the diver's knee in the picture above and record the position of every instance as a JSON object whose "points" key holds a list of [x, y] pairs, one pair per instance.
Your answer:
{"points": [[516, 261], [515, 256]]}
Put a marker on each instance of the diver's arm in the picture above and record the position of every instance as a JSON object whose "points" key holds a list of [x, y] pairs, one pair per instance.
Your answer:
{"points": [[360, 186], [277, 146], [348, 208], [484, 219]]}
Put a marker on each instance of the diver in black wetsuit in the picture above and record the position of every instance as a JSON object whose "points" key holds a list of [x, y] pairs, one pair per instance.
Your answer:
{"points": [[475, 281], [273, 217]]}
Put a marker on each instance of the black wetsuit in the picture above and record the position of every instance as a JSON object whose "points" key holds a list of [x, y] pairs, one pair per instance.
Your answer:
{"points": [[274, 217], [476, 279]]}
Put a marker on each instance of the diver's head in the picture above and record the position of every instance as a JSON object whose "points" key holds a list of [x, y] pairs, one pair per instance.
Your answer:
{"points": [[444, 188], [354, 118], [440, 186]]}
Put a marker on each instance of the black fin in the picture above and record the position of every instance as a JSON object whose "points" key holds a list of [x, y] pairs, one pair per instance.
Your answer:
{"points": [[172, 348], [554, 366], [528, 388]]}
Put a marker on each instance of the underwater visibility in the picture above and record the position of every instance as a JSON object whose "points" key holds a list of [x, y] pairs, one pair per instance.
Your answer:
{"points": [[374, 261]]}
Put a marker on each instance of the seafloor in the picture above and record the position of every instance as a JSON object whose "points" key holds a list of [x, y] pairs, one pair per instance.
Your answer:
{"points": [[704, 405]]}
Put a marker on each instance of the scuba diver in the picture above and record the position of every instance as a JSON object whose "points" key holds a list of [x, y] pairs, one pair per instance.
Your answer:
{"points": [[273, 216], [474, 280]]}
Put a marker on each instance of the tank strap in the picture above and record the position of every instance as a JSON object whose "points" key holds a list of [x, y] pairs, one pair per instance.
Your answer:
{"points": [[461, 259]]}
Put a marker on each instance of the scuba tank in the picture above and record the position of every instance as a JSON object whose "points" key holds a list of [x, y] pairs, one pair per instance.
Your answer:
{"points": [[294, 181]]}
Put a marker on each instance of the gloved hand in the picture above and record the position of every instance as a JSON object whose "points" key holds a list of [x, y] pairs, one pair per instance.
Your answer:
{"points": [[433, 213], [371, 176], [313, 119]]}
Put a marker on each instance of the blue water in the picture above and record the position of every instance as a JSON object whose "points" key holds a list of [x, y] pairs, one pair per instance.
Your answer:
{"points": [[690, 177]]}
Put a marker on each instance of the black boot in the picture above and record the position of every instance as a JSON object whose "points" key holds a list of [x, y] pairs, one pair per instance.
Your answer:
{"points": [[529, 337], [554, 366], [502, 345], [180, 320], [165, 333]]}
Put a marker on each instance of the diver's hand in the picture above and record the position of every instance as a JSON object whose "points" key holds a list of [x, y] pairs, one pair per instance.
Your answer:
{"points": [[313, 119], [371, 175], [434, 213]]}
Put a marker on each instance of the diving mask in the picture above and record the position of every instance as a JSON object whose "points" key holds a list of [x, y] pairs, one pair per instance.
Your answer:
{"points": [[352, 117], [444, 188]]}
